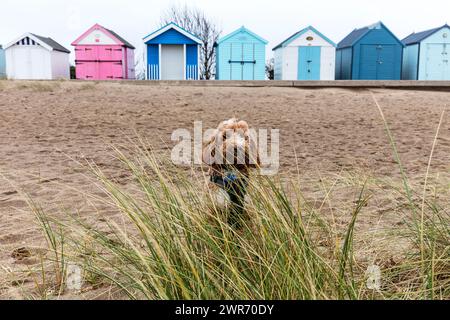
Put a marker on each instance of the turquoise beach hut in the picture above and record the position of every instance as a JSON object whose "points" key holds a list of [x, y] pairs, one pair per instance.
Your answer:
{"points": [[2, 63], [427, 54], [241, 55]]}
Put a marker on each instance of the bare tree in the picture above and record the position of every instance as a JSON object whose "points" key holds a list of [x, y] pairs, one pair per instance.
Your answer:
{"points": [[270, 69], [196, 22]]}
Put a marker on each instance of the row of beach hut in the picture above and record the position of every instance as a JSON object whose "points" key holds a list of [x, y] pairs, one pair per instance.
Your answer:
{"points": [[172, 53]]}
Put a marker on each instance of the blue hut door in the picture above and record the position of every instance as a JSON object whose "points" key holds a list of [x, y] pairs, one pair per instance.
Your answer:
{"points": [[368, 62], [242, 61], [309, 63], [386, 62], [248, 56], [377, 62], [235, 62], [437, 64]]}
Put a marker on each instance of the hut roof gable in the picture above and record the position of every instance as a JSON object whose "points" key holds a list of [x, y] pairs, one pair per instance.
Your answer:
{"points": [[173, 26], [242, 29], [302, 32], [108, 32], [420, 36], [45, 42], [353, 37]]}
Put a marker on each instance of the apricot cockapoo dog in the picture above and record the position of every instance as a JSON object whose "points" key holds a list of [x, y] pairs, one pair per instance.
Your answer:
{"points": [[230, 153]]}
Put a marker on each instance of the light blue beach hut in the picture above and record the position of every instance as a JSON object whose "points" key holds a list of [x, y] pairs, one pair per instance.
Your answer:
{"points": [[2, 63], [369, 53], [172, 53], [241, 55], [427, 54]]}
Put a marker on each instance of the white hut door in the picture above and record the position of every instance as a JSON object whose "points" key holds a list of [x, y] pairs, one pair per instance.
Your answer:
{"points": [[435, 66], [22, 62], [38, 64], [30, 63], [172, 62], [446, 61]]}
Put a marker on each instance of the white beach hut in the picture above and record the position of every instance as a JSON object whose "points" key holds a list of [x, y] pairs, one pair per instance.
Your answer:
{"points": [[32, 57], [306, 55]]}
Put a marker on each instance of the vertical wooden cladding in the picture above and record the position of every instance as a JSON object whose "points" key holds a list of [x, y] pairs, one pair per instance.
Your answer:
{"points": [[241, 56], [192, 62], [306, 55], [101, 54], [34, 57], [2, 63], [370, 53], [427, 55], [172, 53]]}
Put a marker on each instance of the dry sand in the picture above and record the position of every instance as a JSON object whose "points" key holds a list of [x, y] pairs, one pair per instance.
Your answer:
{"points": [[46, 127]]}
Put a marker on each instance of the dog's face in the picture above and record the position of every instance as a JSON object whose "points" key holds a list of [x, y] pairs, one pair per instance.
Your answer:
{"points": [[231, 144]]}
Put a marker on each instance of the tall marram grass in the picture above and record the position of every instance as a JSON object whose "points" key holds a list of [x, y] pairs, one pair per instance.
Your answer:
{"points": [[175, 242], [181, 246]]}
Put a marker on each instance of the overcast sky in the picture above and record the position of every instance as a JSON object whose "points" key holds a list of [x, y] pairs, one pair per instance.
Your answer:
{"points": [[274, 20]]}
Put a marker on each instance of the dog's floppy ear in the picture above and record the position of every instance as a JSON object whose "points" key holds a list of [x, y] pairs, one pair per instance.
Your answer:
{"points": [[210, 143], [209, 148], [254, 158]]}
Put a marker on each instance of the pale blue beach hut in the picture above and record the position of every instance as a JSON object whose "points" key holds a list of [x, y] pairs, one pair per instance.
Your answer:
{"points": [[427, 54], [241, 55]]}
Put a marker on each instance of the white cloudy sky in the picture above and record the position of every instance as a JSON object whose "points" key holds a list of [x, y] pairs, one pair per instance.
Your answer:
{"points": [[274, 20]]}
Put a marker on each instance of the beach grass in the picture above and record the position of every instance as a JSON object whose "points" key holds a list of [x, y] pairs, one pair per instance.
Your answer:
{"points": [[176, 244], [170, 240]]}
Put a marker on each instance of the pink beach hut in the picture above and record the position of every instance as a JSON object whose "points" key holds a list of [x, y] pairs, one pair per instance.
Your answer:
{"points": [[101, 54]]}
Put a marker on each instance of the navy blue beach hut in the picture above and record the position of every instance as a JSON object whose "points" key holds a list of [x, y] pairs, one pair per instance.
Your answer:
{"points": [[172, 53], [427, 55], [369, 53]]}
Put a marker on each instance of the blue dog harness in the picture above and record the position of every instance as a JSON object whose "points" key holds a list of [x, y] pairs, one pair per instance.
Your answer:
{"points": [[225, 181]]}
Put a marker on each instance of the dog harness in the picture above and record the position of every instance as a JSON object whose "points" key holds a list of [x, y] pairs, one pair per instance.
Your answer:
{"points": [[226, 180]]}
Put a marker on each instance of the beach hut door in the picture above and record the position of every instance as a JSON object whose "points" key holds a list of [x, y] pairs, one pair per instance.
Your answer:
{"points": [[446, 61], [377, 62], [172, 62], [437, 64], [309, 63], [242, 61]]}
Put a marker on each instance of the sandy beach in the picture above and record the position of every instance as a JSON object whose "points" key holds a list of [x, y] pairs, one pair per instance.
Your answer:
{"points": [[48, 130]]}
